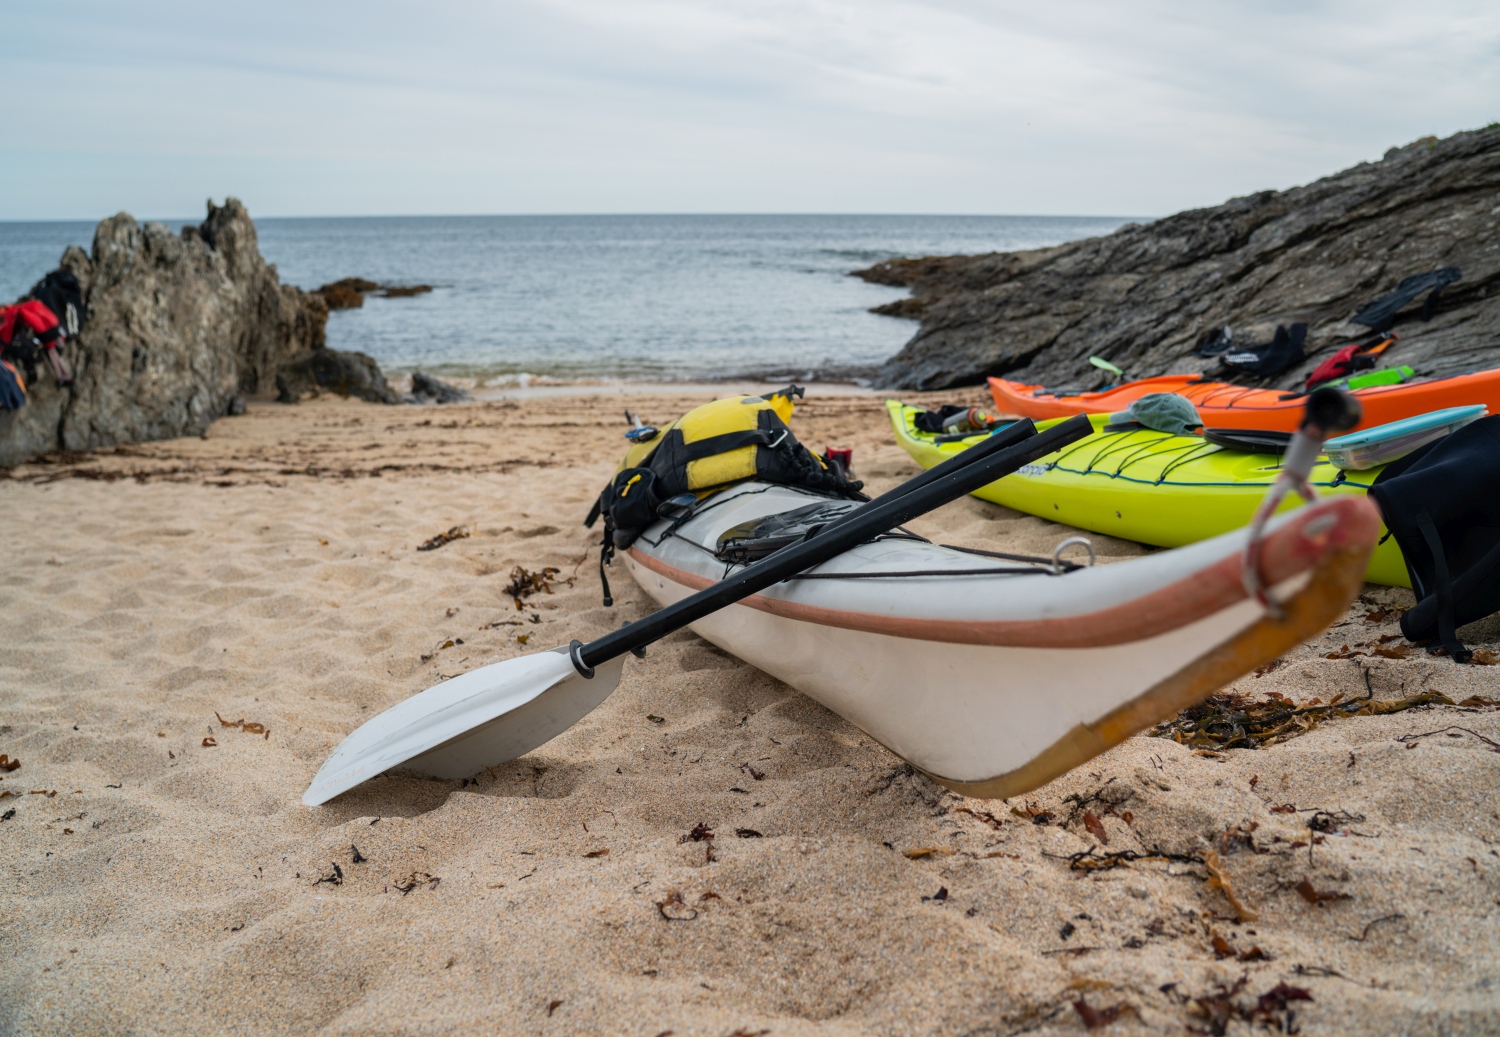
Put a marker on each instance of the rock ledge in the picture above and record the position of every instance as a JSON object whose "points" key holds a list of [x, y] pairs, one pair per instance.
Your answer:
{"points": [[1142, 296]]}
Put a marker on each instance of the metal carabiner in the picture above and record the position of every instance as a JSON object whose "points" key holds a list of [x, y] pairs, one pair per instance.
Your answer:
{"points": [[1057, 562]]}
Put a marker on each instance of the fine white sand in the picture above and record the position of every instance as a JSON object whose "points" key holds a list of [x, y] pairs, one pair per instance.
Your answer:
{"points": [[269, 573]]}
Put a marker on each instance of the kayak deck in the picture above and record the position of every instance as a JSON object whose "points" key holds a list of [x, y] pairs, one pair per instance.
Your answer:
{"points": [[1222, 405], [994, 682], [1151, 487]]}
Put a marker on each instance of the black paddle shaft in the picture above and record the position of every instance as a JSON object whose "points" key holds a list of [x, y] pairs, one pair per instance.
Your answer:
{"points": [[865, 522], [1015, 432]]}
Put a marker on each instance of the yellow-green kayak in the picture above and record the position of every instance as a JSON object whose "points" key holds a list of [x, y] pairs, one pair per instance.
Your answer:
{"points": [[1147, 486]]}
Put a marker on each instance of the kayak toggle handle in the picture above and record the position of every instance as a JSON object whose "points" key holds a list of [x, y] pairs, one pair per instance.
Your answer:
{"points": [[1057, 552], [1328, 411]]}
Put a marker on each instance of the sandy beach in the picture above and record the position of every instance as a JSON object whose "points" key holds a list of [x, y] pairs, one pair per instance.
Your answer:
{"points": [[160, 875]]}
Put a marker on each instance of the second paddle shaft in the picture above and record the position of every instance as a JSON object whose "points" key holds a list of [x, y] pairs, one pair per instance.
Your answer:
{"points": [[865, 522], [1010, 435], [1000, 439]]}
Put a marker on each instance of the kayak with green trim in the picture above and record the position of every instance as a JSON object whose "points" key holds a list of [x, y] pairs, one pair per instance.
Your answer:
{"points": [[1152, 487]]}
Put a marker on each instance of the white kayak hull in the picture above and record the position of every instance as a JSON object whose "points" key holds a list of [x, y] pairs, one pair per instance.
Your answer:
{"points": [[995, 684]]}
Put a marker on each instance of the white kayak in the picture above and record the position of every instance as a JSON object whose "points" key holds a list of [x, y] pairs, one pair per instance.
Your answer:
{"points": [[995, 676]]}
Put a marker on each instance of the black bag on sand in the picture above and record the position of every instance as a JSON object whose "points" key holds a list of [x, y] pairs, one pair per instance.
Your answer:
{"points": [[1442, 504], [1282, 353]]}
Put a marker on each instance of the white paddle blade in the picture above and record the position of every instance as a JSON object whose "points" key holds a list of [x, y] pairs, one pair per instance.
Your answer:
{"points": [[478, 719]]}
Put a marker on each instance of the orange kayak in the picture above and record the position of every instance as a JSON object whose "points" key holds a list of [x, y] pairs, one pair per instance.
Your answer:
{"points": [[1222, 405]]}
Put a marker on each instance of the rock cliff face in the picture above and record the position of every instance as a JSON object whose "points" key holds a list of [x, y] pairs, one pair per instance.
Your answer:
{"points": [[1142, 296], [180, 329]]}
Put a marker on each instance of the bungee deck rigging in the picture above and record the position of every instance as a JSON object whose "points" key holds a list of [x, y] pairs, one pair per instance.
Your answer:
{"points": [[1148, 486], [1034, 564]]}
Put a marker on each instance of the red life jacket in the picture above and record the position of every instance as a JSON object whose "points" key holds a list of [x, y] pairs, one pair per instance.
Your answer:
{"points": [[1356, 357], [35, 316]]}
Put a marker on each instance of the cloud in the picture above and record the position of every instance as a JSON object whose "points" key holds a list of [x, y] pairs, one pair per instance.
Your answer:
{"points": [[721, 105]]}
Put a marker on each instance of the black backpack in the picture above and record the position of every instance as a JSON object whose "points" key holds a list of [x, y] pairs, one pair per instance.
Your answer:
{"points": [[1442, 504], [60, 292]]}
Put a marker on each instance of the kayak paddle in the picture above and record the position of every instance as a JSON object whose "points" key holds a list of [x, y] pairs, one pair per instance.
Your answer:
{"points": [[501, 711], [999, 439]]}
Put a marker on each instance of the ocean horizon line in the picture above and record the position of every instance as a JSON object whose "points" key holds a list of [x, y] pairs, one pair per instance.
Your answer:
{"points": [[600, 215]]}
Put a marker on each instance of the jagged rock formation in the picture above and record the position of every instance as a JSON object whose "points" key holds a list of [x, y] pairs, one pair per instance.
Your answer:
{"points": [[1142, 296], [180, 330]]}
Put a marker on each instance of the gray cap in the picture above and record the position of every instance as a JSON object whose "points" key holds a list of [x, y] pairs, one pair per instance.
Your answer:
{"points": [[1163, 411]]}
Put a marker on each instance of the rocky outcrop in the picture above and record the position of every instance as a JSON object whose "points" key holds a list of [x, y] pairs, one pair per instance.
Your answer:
{"points": [[330, 370], [182, 329], [349, 293], [1142, 296], [427, 389]]}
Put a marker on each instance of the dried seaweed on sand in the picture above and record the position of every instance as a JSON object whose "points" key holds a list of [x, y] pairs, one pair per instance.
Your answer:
{"points": [[1231, 721], [456, 533], [524, 583]]}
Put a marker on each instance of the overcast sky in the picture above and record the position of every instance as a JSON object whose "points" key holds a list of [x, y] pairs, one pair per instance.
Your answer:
{"points": [[589, 106]]}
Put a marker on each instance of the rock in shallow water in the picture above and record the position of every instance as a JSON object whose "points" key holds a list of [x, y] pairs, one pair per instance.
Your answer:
{"points": [[332, 370], [349, 293], [427, 389]]}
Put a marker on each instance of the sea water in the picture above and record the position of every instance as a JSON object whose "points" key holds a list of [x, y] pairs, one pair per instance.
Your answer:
{"points": [[606, 297]]}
